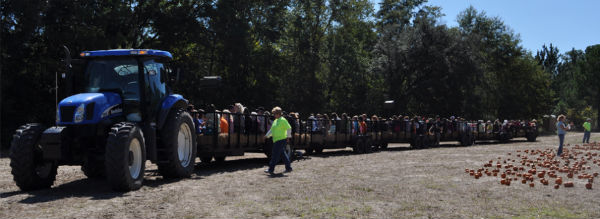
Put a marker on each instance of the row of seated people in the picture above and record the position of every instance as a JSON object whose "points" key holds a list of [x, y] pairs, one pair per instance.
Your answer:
{"points": [[514, 126], [252, 125]]}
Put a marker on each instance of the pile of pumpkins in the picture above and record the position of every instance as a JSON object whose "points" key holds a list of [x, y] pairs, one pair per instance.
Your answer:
{"points": [[543, 166]]}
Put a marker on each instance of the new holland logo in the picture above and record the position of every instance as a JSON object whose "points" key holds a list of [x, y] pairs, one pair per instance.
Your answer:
{"points": [[117, 110], [112, 110]]}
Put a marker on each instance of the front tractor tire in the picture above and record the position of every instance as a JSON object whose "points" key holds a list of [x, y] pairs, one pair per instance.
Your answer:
{"points": [[29, 170], [178, 145], [125, 157]]}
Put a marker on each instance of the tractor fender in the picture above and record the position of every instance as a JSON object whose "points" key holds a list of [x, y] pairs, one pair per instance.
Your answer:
{"points": [[173, 101]]}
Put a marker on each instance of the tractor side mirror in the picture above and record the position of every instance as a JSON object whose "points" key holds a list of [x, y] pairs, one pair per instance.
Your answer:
{"points": [[174, 75]]}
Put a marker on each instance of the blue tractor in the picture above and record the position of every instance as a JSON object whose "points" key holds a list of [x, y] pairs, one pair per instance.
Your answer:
{"points": [[120, 113]]}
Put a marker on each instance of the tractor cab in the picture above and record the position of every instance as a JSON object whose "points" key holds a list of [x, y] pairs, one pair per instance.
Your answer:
{"points": [[129, 84]]}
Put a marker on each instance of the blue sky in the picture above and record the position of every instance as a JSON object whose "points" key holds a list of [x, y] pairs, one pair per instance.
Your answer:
{"points": [[565, 24]]}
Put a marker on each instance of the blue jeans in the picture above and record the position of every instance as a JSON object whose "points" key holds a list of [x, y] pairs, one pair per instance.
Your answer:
{"points": [[278, 151], [586, 137], [561, 139]]}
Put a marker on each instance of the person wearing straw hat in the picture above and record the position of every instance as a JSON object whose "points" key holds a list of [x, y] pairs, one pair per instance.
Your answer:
{"points": [[587, 129], [561, 128]]}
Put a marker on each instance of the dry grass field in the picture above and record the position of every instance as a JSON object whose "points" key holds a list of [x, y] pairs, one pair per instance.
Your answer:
{"points": [[393, 183]]}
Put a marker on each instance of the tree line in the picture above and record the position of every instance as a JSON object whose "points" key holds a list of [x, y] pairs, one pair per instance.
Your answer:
{"points": [[304, 55]]}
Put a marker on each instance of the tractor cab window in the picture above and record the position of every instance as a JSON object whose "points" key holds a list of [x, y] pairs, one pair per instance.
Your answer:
{"points": [[155, 87], [116, 75]]}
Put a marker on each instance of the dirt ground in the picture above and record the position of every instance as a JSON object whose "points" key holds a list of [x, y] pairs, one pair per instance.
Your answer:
{"points": [[393, 183]]}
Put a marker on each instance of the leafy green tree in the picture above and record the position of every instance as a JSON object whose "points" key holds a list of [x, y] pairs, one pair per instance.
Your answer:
{"points": [[592, 78], [349, 43], [508, 70]]}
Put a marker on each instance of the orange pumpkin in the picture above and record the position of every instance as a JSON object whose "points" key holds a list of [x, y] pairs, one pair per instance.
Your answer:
{"points": [[558, 181]]}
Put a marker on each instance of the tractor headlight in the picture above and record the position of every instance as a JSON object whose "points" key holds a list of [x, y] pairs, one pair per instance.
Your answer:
{"points": [[79, 113]]}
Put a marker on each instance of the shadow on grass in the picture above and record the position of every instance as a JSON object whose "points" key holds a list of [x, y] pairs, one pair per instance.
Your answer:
{"points": [[96, 189]]}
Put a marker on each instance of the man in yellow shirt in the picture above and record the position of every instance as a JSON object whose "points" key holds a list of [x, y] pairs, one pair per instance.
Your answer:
{"points": [[587, 128], [280, 132]]}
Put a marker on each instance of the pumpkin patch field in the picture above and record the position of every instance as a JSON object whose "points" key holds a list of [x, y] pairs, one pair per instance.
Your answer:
{"points": [[518, 179], [531, 166]]}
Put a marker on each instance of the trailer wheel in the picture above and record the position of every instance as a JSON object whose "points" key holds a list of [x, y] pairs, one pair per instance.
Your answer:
{"points": [[125, 157], [424, 141], [319, 149], [205, 159], [308, 151], [368, 145], [178, 144], [384, 145], [268, 148], [93, 168], [466, 140], [358, 147], [504, 137], [29, 171], [418, 142], [220, 159], [531, 136]]}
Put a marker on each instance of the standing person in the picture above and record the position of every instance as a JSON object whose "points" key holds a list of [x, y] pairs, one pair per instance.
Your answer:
{"points": [[280, 132], [562, 130], [587, 128]]}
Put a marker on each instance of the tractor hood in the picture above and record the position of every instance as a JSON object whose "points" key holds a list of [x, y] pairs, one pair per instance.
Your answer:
{"points": [[88, 108]]}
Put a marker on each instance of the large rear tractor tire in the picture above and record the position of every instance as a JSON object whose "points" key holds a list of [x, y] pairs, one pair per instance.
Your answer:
{"points": [[125, 157], [178, 143], [29, 170]]}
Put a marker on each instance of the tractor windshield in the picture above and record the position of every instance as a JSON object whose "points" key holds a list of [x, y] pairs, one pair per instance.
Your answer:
{"points": [[112, 74]]}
